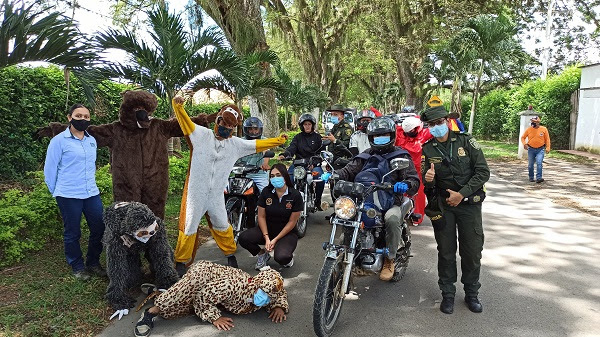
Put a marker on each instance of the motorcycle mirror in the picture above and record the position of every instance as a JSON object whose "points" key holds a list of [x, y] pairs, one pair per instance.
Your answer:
{"points": [[371, 213], [326, 155], [269, 154], [399, 163], [324, 205]]}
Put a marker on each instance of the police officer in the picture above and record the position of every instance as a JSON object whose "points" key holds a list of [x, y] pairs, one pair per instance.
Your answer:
{"points": [[340, 133], [455, 170]]}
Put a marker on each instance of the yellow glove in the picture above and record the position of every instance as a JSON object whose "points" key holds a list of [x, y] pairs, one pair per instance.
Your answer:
{"points": [[186, 124], [265, 144]]}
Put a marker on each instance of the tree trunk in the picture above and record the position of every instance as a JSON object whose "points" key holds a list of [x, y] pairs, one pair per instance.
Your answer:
{"points": [[407, 79], [285, 118], [475, 94], [455, 105], [241, 21]]}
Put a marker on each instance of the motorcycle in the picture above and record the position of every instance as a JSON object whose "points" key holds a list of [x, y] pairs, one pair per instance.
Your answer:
{"points": [[240, 188], [363, 245], [304, 182]]}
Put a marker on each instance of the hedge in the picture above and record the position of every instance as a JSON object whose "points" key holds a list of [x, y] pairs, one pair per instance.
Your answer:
{"points": [[29, 216], [497, 115]]}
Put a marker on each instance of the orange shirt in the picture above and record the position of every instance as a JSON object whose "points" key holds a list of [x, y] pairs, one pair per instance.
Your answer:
{"points": [[536, 137]]}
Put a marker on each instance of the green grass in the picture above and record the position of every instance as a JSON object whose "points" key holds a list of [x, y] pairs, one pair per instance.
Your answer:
{"points": [[39, 297], [504, 151]]}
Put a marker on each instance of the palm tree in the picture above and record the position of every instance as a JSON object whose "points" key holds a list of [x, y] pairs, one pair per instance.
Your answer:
{"points": [[28, 34], [173, 59], [492, 41]]}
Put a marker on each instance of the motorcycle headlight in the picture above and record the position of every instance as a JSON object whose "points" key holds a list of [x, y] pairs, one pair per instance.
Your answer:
{"points": [[238, 170], [299, 172], [345, 208]]}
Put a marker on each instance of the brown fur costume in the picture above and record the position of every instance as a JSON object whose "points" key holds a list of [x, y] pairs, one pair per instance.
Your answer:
{"points": [[140, 163]]}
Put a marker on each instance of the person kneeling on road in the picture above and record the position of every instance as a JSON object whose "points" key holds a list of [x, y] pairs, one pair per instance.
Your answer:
{"points": [[279, 207], [382, 134], [207, 286]]}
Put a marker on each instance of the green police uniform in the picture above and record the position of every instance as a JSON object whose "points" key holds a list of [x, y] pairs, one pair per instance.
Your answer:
{"points": [[459, 166], [342, 132]]}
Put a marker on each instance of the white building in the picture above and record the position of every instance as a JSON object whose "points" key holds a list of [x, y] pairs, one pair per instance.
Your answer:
{"points": [[587, 135]]}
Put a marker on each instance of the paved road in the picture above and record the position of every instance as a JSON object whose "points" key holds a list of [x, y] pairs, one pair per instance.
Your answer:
{"points": [[540, 276]]}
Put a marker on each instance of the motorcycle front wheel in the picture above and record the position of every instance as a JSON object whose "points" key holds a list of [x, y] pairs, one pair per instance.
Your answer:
{"points": [[301, 226], [328, 301], [234, 212]]}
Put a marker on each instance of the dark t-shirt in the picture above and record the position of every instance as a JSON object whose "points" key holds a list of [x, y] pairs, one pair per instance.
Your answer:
{"points": [[278, 212]]}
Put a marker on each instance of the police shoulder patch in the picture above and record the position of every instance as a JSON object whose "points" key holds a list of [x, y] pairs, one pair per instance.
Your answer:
{"points": [[348, 132], [474, 144]]}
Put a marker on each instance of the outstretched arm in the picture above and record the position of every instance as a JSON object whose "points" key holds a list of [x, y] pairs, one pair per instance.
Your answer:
{"points": [[103, 133], [171, 128]]}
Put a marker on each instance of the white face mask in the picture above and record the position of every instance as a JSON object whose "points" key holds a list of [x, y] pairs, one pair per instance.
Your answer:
{"points": [[144, 234]]}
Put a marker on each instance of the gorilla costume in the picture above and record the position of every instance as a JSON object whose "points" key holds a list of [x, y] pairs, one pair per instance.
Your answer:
{"points": [[132, 229]]}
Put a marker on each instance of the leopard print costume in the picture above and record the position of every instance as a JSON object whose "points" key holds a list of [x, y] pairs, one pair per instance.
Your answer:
{"points": [[207, 285]]}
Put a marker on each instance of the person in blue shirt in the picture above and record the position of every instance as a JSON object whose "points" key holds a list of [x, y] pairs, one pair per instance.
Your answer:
{"points": [[70, 174]]}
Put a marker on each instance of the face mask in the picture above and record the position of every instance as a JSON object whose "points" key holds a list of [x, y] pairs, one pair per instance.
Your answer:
{"points": [[144, 234], [362, 126], [412, 134], [381, 140], [277, 182], [439, 131], [224, 132], [261, 298], [334, 120], [80, 124], [141, 115]]}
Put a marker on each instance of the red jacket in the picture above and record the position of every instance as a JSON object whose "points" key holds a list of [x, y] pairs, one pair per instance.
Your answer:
{"points": [[414, 145]]}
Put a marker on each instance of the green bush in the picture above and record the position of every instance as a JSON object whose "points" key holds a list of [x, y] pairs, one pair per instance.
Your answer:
{"points": [[497, 115]]}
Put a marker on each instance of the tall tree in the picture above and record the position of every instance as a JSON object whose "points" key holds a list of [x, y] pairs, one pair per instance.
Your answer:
{"points": [[173, 58], [314, 31], [241, 21]]}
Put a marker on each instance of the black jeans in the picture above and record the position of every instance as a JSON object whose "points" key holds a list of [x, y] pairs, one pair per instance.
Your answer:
{"points": [[251, 238]]}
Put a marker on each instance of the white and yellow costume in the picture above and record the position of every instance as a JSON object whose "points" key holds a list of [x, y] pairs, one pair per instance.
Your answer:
{"points": [[211, 161]]}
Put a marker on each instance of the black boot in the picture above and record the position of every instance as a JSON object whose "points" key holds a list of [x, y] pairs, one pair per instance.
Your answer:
{"points": [[232, 261], [447, 305], [180, 268], [473, 304]]}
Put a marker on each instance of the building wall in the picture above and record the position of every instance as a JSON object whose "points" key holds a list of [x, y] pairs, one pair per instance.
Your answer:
{"points": [[588, 119]]}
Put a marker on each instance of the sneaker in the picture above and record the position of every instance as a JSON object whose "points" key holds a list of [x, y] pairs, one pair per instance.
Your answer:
{"points": [[291, 263], [387, 272], [531, 180], [261, 260], [96, 270], [232, 261], [541, 180], [144, 326], [82, 275]]}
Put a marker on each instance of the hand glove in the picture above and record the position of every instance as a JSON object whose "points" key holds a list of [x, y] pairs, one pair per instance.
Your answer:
{"points": [[325, 176], [121, 313], [400, 188]]}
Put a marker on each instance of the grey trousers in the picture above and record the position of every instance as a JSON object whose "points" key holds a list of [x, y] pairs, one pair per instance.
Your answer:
{"points": [[393, 230]]}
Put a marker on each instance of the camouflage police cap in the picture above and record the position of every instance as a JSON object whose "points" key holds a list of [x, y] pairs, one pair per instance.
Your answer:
{"points": [[337, 107], [433, 113]]}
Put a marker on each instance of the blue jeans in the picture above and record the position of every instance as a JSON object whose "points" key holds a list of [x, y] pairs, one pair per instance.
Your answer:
{"points": [[319, 187], [71, 210], [537, 156]]}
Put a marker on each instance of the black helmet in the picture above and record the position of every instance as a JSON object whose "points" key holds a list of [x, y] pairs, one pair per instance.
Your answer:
{"points": [[307, 117], [380, 126], [253, 122]]}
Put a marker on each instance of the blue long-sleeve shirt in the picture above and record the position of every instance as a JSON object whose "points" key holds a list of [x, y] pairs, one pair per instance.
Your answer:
{"points": [[70, 168]]}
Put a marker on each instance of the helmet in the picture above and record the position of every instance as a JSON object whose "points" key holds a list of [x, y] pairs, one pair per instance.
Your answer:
{"points": [[380, 126], [366, 114], [253, 122], [408, 109], [307, 117], [410, 123]]}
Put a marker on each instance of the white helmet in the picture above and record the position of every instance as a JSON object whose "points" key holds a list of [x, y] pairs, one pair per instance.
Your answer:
{"points": [[409, 123]]}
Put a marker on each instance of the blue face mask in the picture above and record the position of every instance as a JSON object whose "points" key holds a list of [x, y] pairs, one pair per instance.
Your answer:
{"points": [[261, 298], [381, 140], [224, 132], [439, 131], [334, 120], [277, 182]]}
